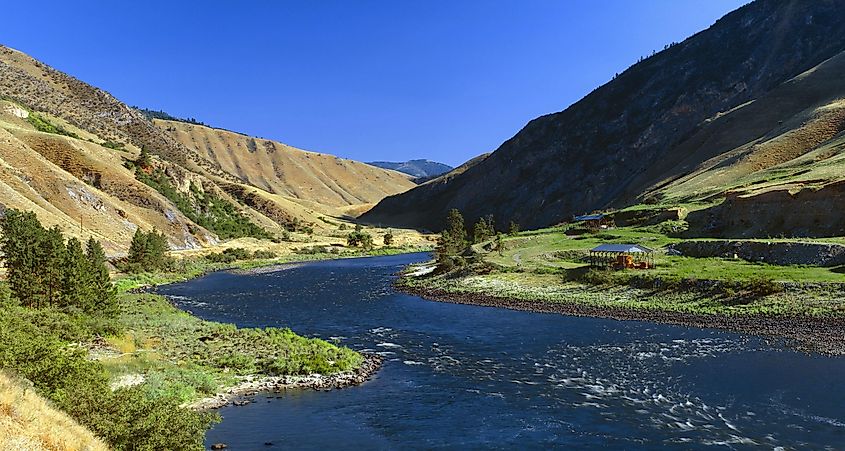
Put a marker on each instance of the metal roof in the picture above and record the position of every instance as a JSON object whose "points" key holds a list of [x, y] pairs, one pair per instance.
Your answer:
{"points": [[589, 217], [622, 248]]}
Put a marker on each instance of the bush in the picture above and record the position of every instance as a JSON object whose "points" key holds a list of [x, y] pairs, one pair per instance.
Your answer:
{"points": [[264, 254], [598, 277], [763, 286], [359, 238], [126, 418], [204, 208]]}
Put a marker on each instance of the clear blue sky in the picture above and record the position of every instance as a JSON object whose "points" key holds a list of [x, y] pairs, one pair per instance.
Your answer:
{"points": [[369, 80]]}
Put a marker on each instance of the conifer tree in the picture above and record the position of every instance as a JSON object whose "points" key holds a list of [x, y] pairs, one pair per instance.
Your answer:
{"points": [[75, 290], [138, 249], [52, 257], [103, 292], [156, 250], [21, 235], [455, 234]]}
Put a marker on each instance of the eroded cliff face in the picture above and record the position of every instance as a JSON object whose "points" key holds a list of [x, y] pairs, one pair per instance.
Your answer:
{"points": [[810, 212], [594, 154]]}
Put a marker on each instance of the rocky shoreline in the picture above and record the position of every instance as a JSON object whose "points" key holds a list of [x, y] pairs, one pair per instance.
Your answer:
{"points": [[823, 335], [251, 385]]}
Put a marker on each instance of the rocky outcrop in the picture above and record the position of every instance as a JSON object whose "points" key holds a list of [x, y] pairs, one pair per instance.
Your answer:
{"points": [[806, 213], [772, 252]]}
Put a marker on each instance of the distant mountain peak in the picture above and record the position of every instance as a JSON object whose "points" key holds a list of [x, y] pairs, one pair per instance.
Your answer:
{"points": [[419, 168]]}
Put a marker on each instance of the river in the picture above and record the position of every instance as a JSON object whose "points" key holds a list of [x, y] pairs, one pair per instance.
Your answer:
{"points": [[461, 376]]}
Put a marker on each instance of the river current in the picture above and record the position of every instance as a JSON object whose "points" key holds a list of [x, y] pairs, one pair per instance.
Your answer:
{"points": [[469, 377]]}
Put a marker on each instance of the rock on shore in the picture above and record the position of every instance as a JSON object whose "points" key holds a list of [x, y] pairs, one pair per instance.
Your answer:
{"points": [[251, 385]]}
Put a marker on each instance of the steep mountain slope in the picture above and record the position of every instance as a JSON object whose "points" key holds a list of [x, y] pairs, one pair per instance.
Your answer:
{"points": [[86, 162], [415, 168], [281, 169], [29, 422], [647, 124]]}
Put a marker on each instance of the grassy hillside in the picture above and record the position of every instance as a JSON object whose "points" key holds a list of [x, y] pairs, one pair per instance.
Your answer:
{"points": [[71, 153], [29, 422], [685, 124], [287, 171]]}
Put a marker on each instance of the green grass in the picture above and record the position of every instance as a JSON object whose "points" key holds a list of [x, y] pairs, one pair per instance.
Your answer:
{"points": [[43, 125], [553, 288], [550, 250], [204, 208], [190, 357], [546, 265]]}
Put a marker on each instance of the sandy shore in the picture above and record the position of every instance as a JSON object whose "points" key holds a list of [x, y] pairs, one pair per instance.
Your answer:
{"points": [[805, 333], [251, 385]]}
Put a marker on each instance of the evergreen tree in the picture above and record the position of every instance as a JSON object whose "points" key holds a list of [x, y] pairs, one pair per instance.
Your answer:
{"points": [[52, 253], [483, 230], [156, 251], [388, 238], [147, 252], [366, 241], [144, 159], [452, 241], [75, 290], [455, 234], [513, 229], [22, 234], [103, 292], [138, 250]]}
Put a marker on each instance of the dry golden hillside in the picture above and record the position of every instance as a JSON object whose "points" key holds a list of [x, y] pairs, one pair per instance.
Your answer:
{"points": [[81, 187], [281, 169], [86, 162], [29, 423]]}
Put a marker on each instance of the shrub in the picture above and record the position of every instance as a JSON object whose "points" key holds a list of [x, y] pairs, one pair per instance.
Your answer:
{"points": [[264, 254], [359, 238], [598, 277], [763, 286]]}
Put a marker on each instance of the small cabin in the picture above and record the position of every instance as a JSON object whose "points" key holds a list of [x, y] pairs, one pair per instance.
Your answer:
{"points": [[621, 256], [595, 221]]}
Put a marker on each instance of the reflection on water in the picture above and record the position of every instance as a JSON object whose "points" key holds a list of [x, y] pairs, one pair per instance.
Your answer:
{"points": [[460, 376]]}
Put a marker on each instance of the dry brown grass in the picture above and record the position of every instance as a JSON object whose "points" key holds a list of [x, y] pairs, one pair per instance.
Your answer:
{"points": [[288, 171], [28, 422]]}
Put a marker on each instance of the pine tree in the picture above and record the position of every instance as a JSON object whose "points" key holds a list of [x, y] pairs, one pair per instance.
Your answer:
{"points": [[452, 241], [513, 229], [482, 231], [388, 238], [148, 251], [19, 244], [455, 234], [103, 292], [138, 250], [75, 290], [156, 251], [52, 253]]}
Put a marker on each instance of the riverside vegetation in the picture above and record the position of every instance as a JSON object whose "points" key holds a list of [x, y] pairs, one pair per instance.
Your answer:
{"points": [[124, 364], [548, 270]]}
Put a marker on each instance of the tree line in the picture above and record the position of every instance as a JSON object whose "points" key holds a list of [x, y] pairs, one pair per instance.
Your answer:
{"points": [[45, 270], [454, 239]]}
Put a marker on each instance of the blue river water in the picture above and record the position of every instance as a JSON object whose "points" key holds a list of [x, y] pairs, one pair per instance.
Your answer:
{"points": [[469, 377]]}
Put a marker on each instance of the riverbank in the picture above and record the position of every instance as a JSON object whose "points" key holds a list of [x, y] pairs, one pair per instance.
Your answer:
{"points": [[810, 320], [251, 385], [207, 365]]}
